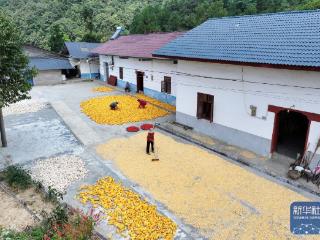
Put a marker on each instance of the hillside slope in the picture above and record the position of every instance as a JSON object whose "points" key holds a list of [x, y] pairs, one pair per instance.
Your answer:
{"points": [[75, 20], [48, 23]]}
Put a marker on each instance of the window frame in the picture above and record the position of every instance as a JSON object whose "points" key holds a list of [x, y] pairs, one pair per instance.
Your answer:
{"points": [[202, 100], [166, 84], [121, 73]]}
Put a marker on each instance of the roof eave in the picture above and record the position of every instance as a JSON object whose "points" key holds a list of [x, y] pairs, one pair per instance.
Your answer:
{"points": [[250, 64], [132, 56]]}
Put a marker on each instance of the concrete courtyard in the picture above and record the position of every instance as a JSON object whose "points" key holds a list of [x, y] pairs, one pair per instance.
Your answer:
{"points": [[207, 196]]}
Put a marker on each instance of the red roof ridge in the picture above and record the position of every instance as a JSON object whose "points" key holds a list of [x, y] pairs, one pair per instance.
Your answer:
{"points": [[137, 45]]}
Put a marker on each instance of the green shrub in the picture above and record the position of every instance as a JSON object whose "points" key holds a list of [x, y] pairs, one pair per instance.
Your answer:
{"points": [[36, 233], [62, 225], [17, 177], [53, 195]]}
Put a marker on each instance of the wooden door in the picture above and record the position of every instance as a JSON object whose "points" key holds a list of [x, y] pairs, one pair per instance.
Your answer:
{"points": [[140, 81], [275, 133], [106, 71]]}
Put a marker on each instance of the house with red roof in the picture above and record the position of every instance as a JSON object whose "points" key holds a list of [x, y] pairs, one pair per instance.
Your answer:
{"points": [[129, 59]]}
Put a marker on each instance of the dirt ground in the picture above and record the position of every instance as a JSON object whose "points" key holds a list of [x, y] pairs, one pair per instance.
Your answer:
{"points": [[222, 200], [14, 217], [35, 202]]}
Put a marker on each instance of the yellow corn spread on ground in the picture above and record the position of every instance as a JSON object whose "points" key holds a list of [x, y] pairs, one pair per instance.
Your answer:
{"points": [[99, 111], [127, 211], [156, 102], [102, 89], [221, 199]]}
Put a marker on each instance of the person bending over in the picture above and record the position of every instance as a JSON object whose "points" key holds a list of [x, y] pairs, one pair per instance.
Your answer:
{"points": [[114, 105]]}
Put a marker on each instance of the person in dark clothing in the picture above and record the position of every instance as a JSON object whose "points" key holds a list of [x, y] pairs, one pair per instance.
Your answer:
{"points": [[150, 141], [114, 105], [127, 88]]}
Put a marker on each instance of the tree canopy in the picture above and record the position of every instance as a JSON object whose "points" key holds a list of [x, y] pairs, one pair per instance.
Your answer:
{"points": [[48, 23], [172, 15], [14, 70], [78, 20]]}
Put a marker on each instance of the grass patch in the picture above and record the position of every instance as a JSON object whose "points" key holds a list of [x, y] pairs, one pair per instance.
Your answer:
{"points": [[17, 177], [61, 223]]}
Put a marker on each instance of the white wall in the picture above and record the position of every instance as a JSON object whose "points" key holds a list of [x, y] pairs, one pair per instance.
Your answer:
{"points": [[232, 97], [48, 77], [91, 67], [156, 68]]}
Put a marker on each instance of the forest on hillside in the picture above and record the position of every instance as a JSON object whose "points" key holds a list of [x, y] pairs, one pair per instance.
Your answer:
{"points": [[48, 23]]}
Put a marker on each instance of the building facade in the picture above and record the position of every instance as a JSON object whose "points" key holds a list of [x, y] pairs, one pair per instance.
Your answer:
{"points": [[247, 101], [85, 62], [145, 75], [130, 60], [52, 68], [252, 81]]}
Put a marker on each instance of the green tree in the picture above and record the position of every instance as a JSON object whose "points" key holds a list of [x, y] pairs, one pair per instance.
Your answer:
{"points": [[148, 20], [96, 20], [14, 70], [176, 15], [310, 5], [209, 9], [56, 38], [262, 5]]}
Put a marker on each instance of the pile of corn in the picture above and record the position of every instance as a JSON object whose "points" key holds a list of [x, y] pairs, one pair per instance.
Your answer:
{"points": [[102, 89], [157, 102], [127, 211], [222, 200], [99, 111]]}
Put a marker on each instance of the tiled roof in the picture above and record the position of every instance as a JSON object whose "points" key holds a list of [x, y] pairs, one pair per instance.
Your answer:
{"points": [[33, 51], [41, 63], [81, 49], [138, 45], [288, 38]]}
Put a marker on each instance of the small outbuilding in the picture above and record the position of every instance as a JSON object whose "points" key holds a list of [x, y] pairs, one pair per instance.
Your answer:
{"points": [[52, 68], [84, 61]]}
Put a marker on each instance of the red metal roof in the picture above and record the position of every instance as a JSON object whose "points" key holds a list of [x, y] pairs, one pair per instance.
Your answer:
{"points": [[138, 45]]}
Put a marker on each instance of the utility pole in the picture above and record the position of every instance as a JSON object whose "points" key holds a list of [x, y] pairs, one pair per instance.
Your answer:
{"points": [[2, 130]]}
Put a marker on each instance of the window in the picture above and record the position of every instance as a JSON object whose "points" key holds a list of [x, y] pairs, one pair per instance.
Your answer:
{"points": [[166, 85], [205, 106], [121, 73]]}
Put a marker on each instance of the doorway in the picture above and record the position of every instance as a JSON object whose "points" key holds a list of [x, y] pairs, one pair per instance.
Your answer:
{"points": [[292, 133], [106, 71], [140, 81], [72, 73]]}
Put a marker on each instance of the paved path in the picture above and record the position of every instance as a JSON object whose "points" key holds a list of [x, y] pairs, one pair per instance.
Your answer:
{"points": [[62, 129], [65, 129], [80, 128]]}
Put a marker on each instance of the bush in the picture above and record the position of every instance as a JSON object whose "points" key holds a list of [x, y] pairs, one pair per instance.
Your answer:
{"points": [[17, 177], [78, 227], [34, 234], [62, 225], [53, 195]]}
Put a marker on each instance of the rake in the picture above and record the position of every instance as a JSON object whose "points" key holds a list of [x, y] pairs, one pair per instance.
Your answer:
{"points": [[156, 155], [156, 152]]}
